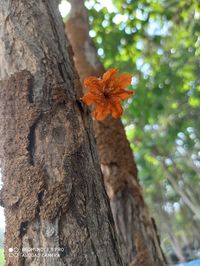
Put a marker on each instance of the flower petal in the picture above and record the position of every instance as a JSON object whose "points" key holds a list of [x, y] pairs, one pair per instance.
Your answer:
{"points": [[116, 109], [90, 98], [121, 95], [101, 111], [109, 75], [123, 80], [93, 84]]}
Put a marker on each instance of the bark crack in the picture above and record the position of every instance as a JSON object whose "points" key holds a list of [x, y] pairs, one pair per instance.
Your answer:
{"points": [[23, 228], [30, 89], [90, 145], [97, 258], [31, 140], [62, 71]]}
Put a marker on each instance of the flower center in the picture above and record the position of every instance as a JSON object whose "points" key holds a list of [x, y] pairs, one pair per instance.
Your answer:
{"points": [[106, 94]]}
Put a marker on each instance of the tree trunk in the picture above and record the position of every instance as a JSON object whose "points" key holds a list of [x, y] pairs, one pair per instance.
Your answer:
{"points": [[190, 190], [182, 192], [56, 209], [138, 238], [167, 227]]}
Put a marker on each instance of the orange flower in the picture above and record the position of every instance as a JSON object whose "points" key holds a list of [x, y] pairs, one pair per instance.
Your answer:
{"points": [[107, 93]]}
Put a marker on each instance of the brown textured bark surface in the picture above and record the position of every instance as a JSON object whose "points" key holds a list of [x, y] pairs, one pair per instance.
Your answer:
{"points": [[53, 192], [138, 238]]}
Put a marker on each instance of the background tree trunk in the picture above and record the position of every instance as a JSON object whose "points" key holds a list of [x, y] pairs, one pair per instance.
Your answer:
{"points": [[53, 192], [137, 234], [187, 198]]}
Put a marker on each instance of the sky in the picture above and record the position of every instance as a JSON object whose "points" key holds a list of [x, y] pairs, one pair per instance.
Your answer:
{"points": [[2, 218], [64, 6]]}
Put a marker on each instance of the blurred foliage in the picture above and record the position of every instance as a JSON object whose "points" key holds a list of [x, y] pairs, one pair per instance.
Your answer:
{"points": [[159, 43]]}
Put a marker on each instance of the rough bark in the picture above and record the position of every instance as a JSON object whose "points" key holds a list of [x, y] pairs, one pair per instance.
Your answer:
{"points": [[138, 238], [53, 191]]}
